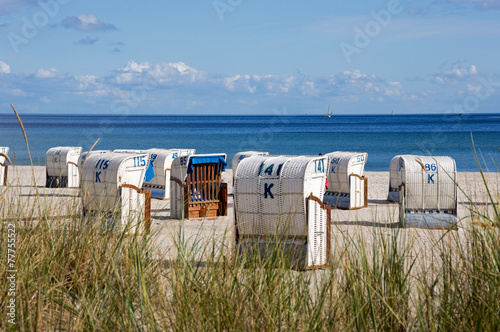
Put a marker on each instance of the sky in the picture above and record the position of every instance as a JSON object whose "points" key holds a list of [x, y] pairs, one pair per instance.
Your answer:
{"points": [[249, 57]]}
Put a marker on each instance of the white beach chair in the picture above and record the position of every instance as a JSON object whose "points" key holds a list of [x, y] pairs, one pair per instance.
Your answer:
{"points": [[347, 187], [4, 168], [395, 178], [111, 190], [428, 192], [61, 164], [281, 197], [161, 160]]}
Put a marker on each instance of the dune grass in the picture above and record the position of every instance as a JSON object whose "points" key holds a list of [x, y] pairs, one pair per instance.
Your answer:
{"points": [[73, 276]]}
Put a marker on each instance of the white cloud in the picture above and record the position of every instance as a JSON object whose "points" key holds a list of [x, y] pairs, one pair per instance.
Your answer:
{"points": [[86, 23], [4, 68], [46, 73], [163, 74], [178, 86], [455, 74], [308, 89], [471, 88], [179, 75], [393, 89], [461, 72]]}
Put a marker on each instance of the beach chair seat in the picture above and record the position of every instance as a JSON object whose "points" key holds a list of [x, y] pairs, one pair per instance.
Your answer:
{"points": [[430, 219]]}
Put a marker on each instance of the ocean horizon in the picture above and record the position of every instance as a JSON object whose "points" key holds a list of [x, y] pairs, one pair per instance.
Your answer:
{"points": [[381, 136]]}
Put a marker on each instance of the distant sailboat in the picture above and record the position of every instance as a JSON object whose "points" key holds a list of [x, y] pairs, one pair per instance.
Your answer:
{"points": [[392, 113], [329, 114]]}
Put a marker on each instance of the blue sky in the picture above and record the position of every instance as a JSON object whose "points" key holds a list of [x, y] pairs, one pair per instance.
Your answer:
{"points": [[249, 57]]}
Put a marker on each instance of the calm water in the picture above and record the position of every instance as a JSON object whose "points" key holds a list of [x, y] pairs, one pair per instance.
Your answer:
{"points": [[382, 136]]}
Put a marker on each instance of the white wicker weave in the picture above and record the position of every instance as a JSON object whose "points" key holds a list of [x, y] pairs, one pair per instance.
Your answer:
{"points": [[3, 166], [430, 191], [347, 187], [395, 179], [245, 154], [270, 201], [111, 185], [61, 165], [162, 162]]}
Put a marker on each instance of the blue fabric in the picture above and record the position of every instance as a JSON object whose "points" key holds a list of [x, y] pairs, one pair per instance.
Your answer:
{"points": [[206, 160], [150, 173]]}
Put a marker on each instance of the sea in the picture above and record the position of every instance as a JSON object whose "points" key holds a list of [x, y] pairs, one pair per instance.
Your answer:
{"points": [[467, 138]]}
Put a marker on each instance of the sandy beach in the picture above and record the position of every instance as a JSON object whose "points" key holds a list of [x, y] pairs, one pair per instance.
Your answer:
{"points": [[21, 199]]}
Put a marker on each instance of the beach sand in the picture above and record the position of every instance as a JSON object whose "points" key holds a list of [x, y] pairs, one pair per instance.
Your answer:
{"points": [[21, 198]]}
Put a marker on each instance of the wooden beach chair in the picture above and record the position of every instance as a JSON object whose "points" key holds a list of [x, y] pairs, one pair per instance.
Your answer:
{"points": [[197, 187]]}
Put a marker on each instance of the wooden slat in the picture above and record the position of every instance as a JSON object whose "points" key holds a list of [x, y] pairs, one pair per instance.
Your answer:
{"points": [[6, 168], [210, 178], [207, 182], [204, 182], [195, 181], [199, 184], [204, 170], [219, 177], [147, 211], [214, 181]]}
